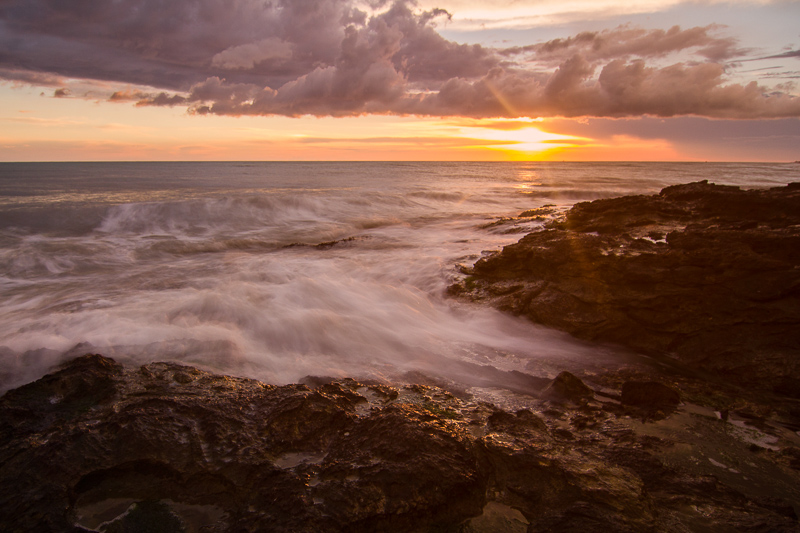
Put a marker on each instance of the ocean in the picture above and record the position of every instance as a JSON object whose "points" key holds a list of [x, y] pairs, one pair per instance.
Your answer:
{"points": [[277, 271]]}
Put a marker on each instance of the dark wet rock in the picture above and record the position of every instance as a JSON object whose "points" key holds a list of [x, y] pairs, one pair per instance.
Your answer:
{"points": [[567, 386], [720, 292], [539, 212], [793, 455], [563, 434], [675, 492], [59, 398], [498, 518], [523, 423], [98, 447], [327, 245], [233, 448], [649, 394], [545, 486]]}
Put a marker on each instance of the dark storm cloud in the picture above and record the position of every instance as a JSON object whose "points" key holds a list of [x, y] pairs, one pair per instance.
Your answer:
{"points": [[169, 45], [27, 77], [327, 57]]}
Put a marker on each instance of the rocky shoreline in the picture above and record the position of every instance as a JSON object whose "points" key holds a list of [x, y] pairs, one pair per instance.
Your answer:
{"points": [[96, 446], [703, 278], [703, 274]]}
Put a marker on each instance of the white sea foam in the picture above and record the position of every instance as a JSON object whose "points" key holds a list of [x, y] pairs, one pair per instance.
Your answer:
{"points": [[281, 271]]}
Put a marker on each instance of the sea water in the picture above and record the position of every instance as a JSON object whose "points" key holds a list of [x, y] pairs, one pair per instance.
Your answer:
{"points": [[277, 271]]}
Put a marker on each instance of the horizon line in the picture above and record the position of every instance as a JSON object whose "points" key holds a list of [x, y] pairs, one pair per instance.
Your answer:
{"points": [[382, 161]]}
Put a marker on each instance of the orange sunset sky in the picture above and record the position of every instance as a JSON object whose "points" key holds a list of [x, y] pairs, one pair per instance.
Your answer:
{"points": [[373, 80]]}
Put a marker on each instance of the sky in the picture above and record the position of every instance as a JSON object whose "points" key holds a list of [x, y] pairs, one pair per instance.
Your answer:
{"points": [[502, 80]]}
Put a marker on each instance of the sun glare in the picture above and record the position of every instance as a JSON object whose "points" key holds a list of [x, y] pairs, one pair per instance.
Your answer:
{"points": [[521, 141]]}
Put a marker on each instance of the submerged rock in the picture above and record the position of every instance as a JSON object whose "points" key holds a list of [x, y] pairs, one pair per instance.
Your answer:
{"points": [[98, 447], [704, 273], [567, 386]]}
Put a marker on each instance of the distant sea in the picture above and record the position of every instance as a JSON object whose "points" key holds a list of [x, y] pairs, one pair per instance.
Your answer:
{"points": [[281, 270]]}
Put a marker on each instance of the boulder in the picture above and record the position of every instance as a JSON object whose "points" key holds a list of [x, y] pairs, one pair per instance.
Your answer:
{"points": [[567, 386]]}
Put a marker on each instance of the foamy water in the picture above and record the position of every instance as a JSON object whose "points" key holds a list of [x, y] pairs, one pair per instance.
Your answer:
{"points": [[281, 270]]}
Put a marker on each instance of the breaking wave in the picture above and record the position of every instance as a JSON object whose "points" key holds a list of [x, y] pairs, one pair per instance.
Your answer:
{"points": [[275, 273]]}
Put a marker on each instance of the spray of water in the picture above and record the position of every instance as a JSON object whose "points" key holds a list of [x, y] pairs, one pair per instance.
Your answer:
{"points": [[278, 282]]}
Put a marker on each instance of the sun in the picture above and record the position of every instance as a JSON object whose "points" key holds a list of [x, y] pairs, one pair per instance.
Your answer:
{"points": [[519, 138]]}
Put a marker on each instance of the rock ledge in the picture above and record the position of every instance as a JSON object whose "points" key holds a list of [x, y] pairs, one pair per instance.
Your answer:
{"points": [[704, 273], [96, 446]]}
